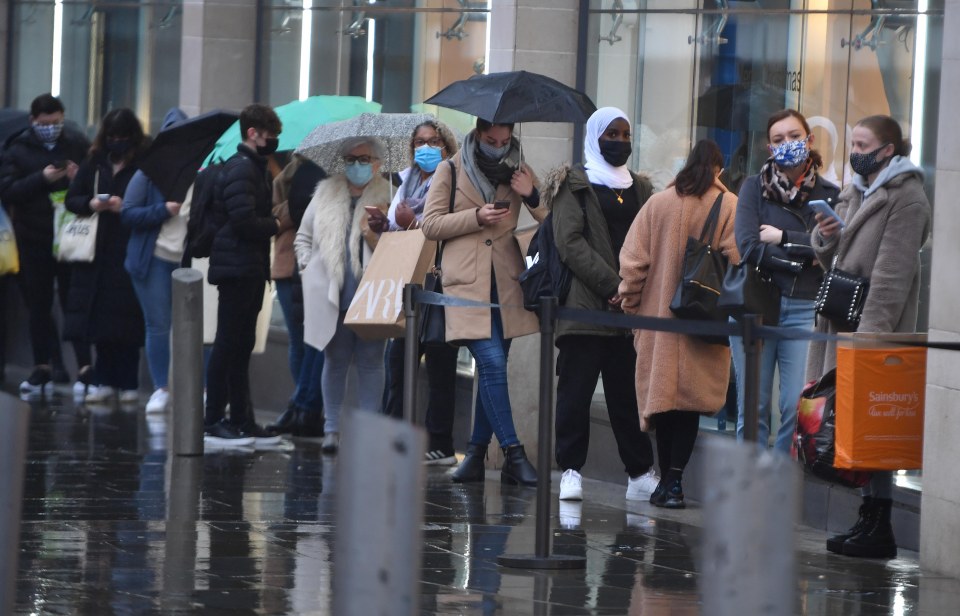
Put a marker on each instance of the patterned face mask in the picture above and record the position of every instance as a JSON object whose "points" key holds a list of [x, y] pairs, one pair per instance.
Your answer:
{"points": [[866, 163], [790, 154], [48, 133]]}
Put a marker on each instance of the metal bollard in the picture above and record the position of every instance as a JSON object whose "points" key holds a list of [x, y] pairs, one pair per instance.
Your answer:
{"points": [[752, 347], [379, 517], [411, 353], [184, 478], [186, 377], [13, 455], [749, 511]]}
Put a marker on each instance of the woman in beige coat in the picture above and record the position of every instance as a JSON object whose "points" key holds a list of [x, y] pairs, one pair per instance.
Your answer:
{"points": [[677, 376], [481, 262], [887, 218]]}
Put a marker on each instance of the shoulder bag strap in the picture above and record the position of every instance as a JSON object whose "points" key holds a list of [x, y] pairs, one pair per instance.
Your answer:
{"points": [[453, 196], [710, 225]]}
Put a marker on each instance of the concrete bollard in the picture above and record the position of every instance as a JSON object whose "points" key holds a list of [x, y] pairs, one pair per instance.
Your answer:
{"points": [[750, 508], [379, 517], [186, 377], [14, 427], [184, 479]]}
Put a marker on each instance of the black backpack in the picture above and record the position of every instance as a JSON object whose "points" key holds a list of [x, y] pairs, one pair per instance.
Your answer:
{"points": [[546, 275], [202, 225]]}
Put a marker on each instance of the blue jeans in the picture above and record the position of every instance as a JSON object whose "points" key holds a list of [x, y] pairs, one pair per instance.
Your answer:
{"points": [[293, 317], [309, 392], [343, 349], [155, 293], [493, 414], [791, 358]]}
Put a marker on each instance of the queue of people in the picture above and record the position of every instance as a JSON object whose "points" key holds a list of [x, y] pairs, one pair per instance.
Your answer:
{"points": [[622, 242]]}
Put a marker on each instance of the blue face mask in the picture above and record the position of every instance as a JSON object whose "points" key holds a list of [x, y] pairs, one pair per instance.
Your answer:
{"points": [[427, 157], [790, 154], [359, 174], [493, 153], [48, 133]]}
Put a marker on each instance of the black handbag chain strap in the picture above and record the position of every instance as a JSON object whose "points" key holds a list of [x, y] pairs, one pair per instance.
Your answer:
{"points": [[710, 224], [453, 195]]}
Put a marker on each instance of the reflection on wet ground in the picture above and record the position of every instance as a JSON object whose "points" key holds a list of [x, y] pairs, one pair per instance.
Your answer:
{"points": [[112, 525]]}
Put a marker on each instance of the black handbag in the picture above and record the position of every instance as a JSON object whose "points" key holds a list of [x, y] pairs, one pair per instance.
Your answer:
{"points": [[746, 290], [433, 323], [841, 298], [702, 278]]}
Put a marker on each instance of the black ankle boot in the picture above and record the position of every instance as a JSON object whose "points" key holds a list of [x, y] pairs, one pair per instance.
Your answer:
{"points": [[286, 422], [673, 496], [308, 424], [876, 540], [472, 468], [835, 543], [516, 468]]}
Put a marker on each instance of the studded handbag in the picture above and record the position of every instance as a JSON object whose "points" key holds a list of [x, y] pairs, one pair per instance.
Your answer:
{"points": [[841, 298]]}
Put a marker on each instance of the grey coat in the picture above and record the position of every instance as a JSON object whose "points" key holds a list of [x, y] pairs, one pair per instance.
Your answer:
{"points": [[882, 240], [589, 255]]}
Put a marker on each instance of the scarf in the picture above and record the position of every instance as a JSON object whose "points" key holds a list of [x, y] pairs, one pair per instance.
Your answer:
{"points": [[599, 170], [777, 187], [486, 174], [414, 190]]}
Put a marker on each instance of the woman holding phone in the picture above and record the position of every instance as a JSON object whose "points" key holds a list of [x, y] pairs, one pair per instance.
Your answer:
{"points": [[481, 262], [336, 239], [773, 226], [887, 218]]}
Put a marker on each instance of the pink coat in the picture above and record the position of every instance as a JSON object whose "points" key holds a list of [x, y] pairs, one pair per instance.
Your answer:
{"points": [[674, 372]]}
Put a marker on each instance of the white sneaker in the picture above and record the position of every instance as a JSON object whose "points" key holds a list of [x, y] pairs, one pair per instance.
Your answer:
{"points": [[570, 513], [99, 393], [640, 488], [129, 395], [80, 390], [158, 401], [571, 485]]}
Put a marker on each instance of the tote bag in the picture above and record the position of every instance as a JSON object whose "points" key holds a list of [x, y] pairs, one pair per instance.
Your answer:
{"points": [[9, 256], [78, 236]]}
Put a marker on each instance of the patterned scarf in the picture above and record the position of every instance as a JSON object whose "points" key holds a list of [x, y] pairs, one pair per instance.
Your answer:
{"points": [[776, 186]]}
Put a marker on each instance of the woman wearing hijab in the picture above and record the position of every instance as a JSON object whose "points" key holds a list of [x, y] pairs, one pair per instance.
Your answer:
{"points": [[481, 262], [593, 206], [773, 232], [678, 377]]}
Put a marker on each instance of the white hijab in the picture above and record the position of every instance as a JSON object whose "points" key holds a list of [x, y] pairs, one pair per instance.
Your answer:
{"points": [[598, 170]]}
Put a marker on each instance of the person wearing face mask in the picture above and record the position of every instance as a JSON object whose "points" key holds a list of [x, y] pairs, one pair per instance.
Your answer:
{"points": [[887, 221], [102, 306], [430, 144], [593, 206], [481, 262], [773, 228], [38, 163], [334, 244], [240, 267]]}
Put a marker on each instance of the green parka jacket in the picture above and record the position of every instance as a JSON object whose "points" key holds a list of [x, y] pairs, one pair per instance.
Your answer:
{"points": [[585, 248]]}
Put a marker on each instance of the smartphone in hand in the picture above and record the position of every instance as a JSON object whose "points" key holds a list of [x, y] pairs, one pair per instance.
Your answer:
{"points": [[501, 204], [374, 212], [823, 208], [60, 165]]}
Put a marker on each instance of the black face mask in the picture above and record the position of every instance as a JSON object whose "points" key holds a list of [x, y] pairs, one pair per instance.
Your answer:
{"points": [[866, 163], [616, 153], [119, 147], [271, 145]]}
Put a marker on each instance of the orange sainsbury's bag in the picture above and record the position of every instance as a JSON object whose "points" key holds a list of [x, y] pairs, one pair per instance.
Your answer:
{"points": [[880, 398]]}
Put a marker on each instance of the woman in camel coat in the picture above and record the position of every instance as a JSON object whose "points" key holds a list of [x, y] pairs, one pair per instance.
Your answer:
{"points": [[678, 377]]}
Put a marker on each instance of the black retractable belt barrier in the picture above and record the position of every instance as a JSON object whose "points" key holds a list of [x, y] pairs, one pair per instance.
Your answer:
{"points": [[411, 352], [752, 347]]}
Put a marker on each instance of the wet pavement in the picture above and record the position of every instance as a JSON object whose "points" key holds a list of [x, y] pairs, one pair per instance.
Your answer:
{"points": [[112, 525]]}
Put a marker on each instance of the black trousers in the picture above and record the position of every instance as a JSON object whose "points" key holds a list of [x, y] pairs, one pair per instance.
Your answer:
{"points": [[118, 365], [442, 381], [228, 370], [676, 435], [39, 274], [580, 362]]}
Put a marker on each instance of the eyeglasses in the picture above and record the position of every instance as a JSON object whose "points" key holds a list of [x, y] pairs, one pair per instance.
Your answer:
{"points": [[363, 160], [436, 142]]}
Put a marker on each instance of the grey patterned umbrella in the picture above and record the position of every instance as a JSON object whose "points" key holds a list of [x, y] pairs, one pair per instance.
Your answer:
{"points": [[323, 144]]}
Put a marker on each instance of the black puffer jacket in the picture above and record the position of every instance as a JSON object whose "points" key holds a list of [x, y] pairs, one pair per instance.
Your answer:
{"points": [[241, 248], [23, 190], [791, 264], [101, 303]]}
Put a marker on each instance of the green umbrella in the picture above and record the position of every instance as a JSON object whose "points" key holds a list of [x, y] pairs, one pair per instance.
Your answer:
{"points": [[299, 118]]}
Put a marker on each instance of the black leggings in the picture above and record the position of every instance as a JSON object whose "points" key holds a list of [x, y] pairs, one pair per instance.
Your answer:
{"points": [[676, 435]]}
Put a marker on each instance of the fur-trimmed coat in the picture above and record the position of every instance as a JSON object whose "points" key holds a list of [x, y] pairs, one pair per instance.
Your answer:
{"points": [[882, 240], [322, 253], [674, 372], [584, 245]]}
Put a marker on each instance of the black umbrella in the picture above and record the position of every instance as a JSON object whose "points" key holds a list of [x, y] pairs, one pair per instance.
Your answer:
{"points": [[12, 121], [516, 96], [175, 156], [739, 107]]}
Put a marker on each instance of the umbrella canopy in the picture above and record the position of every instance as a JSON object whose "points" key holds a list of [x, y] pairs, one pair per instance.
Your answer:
{"points": [[516, 96], [739, 107], [299, 118], [322, 146], [12, 121], [175, 156]]}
